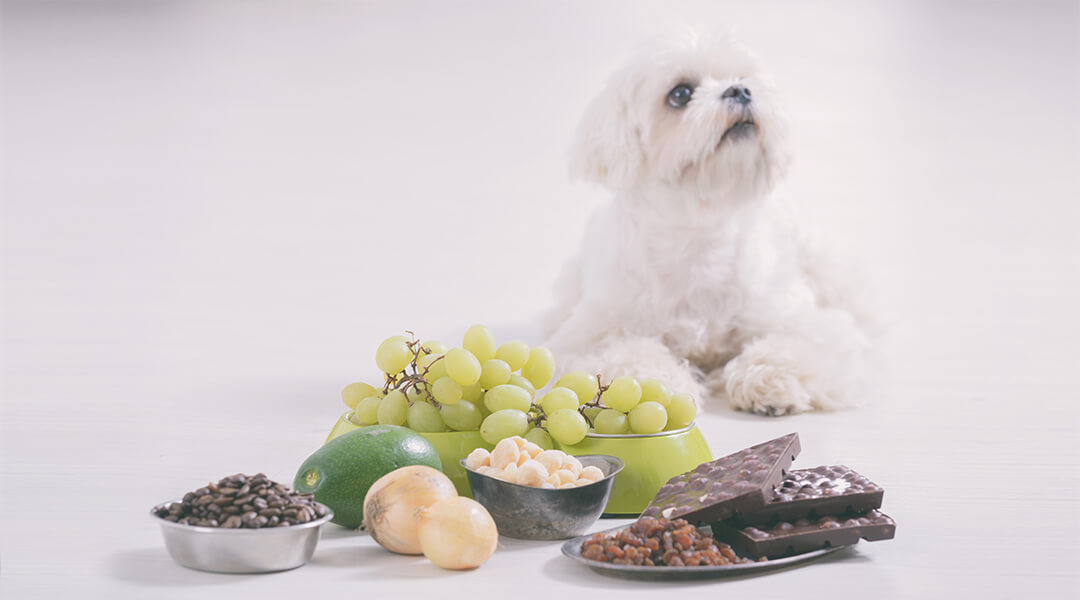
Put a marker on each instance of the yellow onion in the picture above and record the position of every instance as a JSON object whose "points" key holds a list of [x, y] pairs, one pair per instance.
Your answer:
{"points": [[393, 503], [457, 533]]}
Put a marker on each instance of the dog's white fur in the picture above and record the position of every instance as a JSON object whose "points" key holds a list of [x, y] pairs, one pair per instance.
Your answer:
{"points": [[698, 272]]}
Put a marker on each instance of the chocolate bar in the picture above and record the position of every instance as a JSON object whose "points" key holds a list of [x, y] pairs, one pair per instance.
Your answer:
{"points": [[803, 535], [817, 492], [739, 483]]}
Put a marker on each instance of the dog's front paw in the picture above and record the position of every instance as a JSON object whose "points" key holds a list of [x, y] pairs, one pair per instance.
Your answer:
{"points": [[764, 388]]}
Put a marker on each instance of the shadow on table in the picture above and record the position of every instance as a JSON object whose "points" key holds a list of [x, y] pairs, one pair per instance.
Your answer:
{"points": [[153, 566], [565, 569], [385, 565], [331, 531]]}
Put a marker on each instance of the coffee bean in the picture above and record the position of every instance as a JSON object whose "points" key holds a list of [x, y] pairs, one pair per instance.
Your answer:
{"points": [[240, 501]]}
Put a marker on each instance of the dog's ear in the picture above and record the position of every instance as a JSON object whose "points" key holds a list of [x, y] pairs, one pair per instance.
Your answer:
{"points": [[607, 147]]}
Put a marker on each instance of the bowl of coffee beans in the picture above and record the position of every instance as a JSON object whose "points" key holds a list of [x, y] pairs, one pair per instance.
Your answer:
{"points": [[242, 524]]}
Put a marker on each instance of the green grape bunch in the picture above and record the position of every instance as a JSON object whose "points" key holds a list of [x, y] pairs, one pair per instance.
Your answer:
{"points": [[430, 387], [578, 403]]}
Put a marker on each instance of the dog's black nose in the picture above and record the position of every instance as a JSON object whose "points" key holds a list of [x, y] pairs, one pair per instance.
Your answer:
{"points": [[739, 93]]}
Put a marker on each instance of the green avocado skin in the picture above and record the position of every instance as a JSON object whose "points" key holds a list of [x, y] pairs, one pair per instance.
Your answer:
{"points": [[340, 473]]}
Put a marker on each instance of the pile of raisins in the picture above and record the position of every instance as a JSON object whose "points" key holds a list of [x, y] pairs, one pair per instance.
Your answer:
{"points": [[652, 542]]}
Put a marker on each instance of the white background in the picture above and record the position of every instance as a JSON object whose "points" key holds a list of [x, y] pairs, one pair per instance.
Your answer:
{"points": [[214, 211]]}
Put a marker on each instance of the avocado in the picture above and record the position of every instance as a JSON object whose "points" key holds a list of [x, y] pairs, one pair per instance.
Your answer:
{"points": [[340, 473]]}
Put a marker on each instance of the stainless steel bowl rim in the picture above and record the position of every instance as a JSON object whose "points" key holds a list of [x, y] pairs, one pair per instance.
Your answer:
{"points": [[615, 460], [238, 530]]}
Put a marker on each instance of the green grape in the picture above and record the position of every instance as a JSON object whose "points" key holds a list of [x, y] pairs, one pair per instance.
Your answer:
{"points": [[540, 438], [502, 424], [433, 347], [461, 416], [473, 393], [435, 365], [584, 385], [521, 382], [484, 410], [416, 393], [392, 408], [539, 368], [353, 393], [494, 372], [567, 426], [648, 417], [514, 353], [610, 421], [446, 390], [479, 340], [462, 366], [425, 418], [393, 355], [623, 394], [506, 396], [591, 412], [654, 390], [367, 411], [557, 399], [681, 412]]}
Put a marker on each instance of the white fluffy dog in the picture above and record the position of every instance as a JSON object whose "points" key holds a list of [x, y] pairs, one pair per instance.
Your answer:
{"points": [[698, 272]]}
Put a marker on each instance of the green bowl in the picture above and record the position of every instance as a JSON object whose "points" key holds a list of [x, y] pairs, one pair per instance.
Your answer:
{"points": [[452, 446], [651, 460]]}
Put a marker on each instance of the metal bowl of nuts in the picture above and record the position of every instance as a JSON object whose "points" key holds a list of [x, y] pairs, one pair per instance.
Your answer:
{"points": [[545, 513], [265, 528]]}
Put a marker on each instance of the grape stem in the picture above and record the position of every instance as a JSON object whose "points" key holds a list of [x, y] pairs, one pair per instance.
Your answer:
{"points": [[417, 380], [539, 416], [595, 402]]}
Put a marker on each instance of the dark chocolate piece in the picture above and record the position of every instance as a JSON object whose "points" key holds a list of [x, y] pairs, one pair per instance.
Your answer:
{"points": [[817, 492], [737, 483], [787, 538]]}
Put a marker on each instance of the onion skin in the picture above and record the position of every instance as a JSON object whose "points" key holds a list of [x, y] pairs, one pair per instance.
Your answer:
{"points": [[394, 502], [457, 533]]}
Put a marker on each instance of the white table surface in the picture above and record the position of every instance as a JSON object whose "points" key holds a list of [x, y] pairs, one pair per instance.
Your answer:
{"points": [[205, 204]]}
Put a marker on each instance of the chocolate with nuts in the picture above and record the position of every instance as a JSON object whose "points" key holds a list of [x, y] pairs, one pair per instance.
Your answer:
{"points": [[738, 483], [818, 492], [786, 538]]}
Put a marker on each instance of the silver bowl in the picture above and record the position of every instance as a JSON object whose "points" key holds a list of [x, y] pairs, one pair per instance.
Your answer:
{"points": [[530, 513], [240, 550]]}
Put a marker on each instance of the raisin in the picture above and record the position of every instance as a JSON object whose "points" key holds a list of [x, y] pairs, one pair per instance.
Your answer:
{"points": [[650, 541]]}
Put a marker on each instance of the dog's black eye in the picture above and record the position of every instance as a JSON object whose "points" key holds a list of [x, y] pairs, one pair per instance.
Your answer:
{"points": [[679, 96]]}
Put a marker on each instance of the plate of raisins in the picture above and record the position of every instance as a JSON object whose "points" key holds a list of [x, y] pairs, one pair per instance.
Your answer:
{"points": [[652, 548]]}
